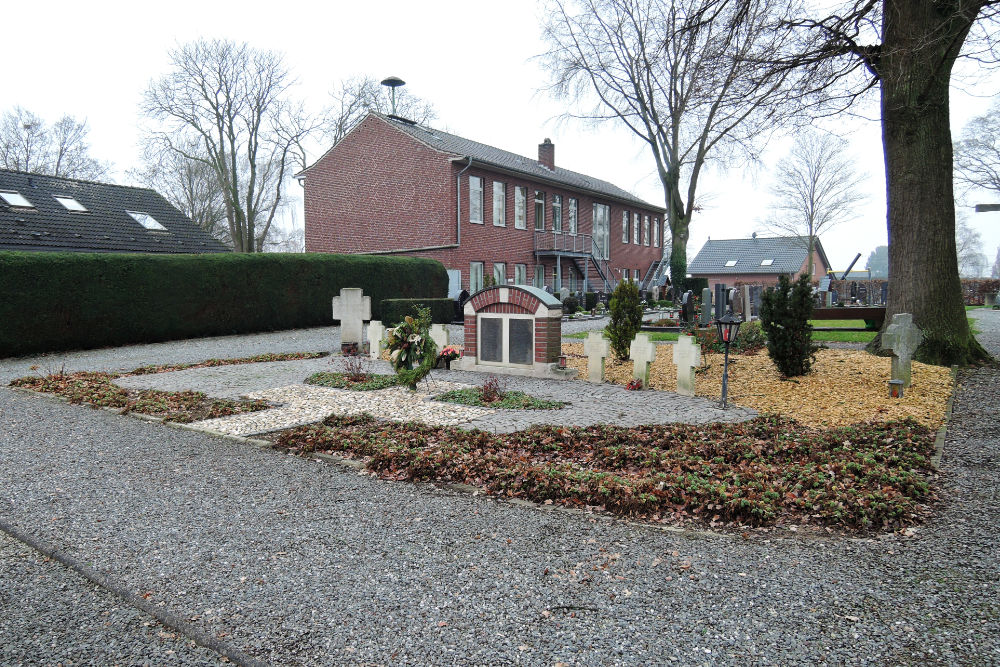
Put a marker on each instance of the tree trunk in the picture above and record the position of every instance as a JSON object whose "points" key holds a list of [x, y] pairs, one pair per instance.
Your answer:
{"points": [[918, 51], [678, 253]]}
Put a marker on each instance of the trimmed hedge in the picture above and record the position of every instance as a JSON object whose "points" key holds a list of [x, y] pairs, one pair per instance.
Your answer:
{"points": [[65, 301], [394, 310]]}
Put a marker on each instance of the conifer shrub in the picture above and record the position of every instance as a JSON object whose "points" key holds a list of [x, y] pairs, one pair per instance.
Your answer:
{"points": [[784, 314], [626, 317], [589, 300]]}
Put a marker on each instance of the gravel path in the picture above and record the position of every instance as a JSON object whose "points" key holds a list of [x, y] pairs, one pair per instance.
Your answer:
{"points": [[299, 562]]}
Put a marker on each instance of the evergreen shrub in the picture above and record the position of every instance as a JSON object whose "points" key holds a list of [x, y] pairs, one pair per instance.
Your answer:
{"points": [[66, 301], [394, 310], [784, 314], [570, 305], [589, 300], [626, 317]]}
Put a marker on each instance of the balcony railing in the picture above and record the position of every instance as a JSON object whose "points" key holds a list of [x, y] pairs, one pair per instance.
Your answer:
{"points": [[563, 242]]}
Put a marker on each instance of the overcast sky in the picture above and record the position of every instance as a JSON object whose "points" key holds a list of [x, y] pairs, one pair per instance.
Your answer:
{"points": [[473, 61]]}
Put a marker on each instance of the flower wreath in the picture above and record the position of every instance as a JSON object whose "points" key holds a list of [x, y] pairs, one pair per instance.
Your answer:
{"points": [[410, 343]]}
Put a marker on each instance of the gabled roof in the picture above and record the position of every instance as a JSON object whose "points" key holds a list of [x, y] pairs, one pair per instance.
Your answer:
{"points": [[105, 226], [787, 254], [488, 156]]}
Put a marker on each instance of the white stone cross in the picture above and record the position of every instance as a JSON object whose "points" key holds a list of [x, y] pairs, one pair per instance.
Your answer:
{"points": [[376, 335], [352, 308], [902, 337], [687, 355], [642, 352], [596, 349], [439, 334]]}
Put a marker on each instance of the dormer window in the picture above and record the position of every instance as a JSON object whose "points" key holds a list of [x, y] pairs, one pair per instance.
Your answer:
{"points": [[146, 220], [16, 199], [732, 262], [767, 262], [71, 204]]}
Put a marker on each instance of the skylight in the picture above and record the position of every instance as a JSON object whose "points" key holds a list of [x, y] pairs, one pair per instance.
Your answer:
{"points": [[146, 220], [70, 204], [16, 199], [767, 262], [732, 262]]}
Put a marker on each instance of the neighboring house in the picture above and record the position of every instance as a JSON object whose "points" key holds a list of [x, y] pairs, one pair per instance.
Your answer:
{"points": [[51, 214], [391, 186], [757, 260]]}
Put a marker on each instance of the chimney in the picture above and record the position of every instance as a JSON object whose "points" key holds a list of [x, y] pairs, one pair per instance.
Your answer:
{"points": [[547, 154]]}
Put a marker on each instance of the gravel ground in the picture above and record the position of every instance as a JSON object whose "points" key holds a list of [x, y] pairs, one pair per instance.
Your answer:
{"points": [[300, 562]]}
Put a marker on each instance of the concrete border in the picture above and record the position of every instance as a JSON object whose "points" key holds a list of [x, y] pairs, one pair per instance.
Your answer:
{"points": [[943, 430]]}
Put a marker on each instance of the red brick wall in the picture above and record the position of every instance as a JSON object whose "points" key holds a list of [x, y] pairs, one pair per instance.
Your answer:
{"points": [[548, 330], [379, 189]]}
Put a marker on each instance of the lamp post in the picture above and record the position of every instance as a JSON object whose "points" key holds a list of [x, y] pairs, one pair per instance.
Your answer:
{"points": [[727, 326]]}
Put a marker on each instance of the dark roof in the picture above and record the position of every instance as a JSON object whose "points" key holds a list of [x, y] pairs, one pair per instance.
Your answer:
{"points": [[787, 252], [105, 227], [488, 156]]}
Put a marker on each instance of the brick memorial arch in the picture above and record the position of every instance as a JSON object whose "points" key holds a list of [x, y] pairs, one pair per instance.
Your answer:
{"points": [[514, 329]]}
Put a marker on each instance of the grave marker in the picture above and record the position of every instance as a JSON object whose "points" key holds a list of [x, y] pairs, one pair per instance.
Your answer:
{"points": [[902, 337], [706, 306], [352, 308], [439, 334], [687, 355], [596, 349], [376, 335], [642, 352]]}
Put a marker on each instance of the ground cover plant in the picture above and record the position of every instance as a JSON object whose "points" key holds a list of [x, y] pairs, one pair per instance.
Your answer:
{"points": [[765, 472], [257, 359], [338, 380], [99, 390], [494, 394]]}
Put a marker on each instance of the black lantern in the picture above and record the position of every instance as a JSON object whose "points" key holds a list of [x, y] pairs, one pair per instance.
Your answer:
{"points": [[727, 326]]}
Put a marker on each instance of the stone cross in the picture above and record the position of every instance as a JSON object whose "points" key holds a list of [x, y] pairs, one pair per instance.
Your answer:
{"points": [[706, 306], [642, 352], [687, 355], [352, 308], [376, 334], [596, 348], [902, 337], [439, 334]]}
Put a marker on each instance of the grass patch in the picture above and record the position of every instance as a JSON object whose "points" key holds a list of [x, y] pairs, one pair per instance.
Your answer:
{"points": [[768, 471], [99, 390], [369, 382], [656, 336], [839, 324], [260, 358], [511, 400], [844, 336]]}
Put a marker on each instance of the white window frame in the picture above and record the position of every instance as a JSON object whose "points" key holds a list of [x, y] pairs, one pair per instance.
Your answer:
{"points": [[635, 274], [656, 232], [731, 263], [70, 204], [636, 221], [625, 227], [602, 240], [520, 274], [500, 277], [520, 207], [539, 199], [505, 338], [147, 221], [499, 204], [574, 216], [538, 279], [476, 276], [645, 230], [476, 199], [15, 199], [557, 214], [766, 262]]}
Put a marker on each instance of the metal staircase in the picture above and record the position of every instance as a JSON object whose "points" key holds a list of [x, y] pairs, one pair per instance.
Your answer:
{"points": [[656, 271], [582, 251]]}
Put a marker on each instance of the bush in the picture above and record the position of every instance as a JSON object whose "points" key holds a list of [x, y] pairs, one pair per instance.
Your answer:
{"points": [[626, 317], [65, 301], [570, 305], [394, 310], [784, 314], [750, 340], [589, 300]]}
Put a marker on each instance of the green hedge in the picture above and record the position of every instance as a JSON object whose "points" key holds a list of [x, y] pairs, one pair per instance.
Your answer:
{"points": [[64, 301], [394, 310]]}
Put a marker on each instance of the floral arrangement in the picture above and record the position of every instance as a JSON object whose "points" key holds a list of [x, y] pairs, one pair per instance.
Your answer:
{"points": [[634, 384], [449, 353], [410, 344]]}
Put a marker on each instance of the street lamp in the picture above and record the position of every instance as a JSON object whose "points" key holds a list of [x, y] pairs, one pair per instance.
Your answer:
{"points": [[727, 326]]}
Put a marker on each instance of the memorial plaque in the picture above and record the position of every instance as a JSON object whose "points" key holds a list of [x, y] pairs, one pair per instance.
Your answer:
{"points": [[522, 341], [491, 339]]}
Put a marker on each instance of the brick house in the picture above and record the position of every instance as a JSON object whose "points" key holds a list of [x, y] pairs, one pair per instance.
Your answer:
{"points": [[391, 186], [757, 260]]}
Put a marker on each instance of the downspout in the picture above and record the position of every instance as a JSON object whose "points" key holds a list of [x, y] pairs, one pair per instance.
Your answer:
{"points": [[458, 201]]}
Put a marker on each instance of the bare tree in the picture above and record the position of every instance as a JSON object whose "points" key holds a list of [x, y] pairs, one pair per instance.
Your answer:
{"points": [[27, 143], [995, 273], [355, 97], [815, 188], [972, 263], [878, 262], [977, 153], [908, 49], [189, 184], [682, 75], [234, 100]]}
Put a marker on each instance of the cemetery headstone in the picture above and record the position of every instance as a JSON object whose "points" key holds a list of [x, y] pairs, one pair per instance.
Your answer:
{"points": [[563, 293], [706, 306], [687, 307], [596, 347], [721, 300], [642, 352], [902, 337], [687, 355], [376, 335], [352, 308], [747, 304], [439, 334]]}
